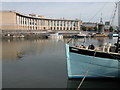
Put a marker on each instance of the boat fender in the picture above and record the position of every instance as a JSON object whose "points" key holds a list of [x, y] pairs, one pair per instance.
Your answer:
{"points": [[86, 47], [108, 48], [91, 47], [83, 46], [104, 46]]}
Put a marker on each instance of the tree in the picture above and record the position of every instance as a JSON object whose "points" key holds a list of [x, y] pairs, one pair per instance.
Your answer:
{"points": [[89, 29], [111, 29], [95, 28], [84, 28]]}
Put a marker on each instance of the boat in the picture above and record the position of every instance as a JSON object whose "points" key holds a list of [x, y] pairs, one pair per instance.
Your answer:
{"points": [[80, 35], [99, 35], [103, 63], [55, 36], [91, 62]]}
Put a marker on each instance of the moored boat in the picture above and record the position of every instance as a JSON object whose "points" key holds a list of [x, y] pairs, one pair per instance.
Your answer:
{"points": [[97, 63], [55, 35], [99, 35], [80, 35]]}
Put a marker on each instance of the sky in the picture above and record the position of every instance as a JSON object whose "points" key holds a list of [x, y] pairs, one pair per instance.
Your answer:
{"points": [[59, 0], [86, 11]]}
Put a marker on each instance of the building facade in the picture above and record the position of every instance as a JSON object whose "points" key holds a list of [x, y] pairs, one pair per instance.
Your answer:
{"points": [[11, 20], [107, 26]]}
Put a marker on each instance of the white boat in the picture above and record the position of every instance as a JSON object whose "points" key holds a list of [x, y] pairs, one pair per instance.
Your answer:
{"points": [[55, 36], [80, 35]]}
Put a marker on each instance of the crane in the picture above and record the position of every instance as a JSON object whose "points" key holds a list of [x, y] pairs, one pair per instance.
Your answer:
{"points": [[113, 14]]}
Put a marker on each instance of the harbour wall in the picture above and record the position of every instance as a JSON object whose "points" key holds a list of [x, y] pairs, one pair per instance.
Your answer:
{"points": [[35, 33]]}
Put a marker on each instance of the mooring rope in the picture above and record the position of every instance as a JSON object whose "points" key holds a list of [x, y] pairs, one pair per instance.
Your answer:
{"points": [[87, 72], [79, 86]]}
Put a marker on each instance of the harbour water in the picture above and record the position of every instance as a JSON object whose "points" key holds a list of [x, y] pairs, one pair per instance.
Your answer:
{"points": [[41, 63]]}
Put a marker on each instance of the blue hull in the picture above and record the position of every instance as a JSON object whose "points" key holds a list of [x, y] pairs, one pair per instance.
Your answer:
{"points": [[79, 65]]}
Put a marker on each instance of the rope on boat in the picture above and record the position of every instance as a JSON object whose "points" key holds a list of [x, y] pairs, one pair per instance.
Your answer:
{"points": [[85, 73], [88, 71], [69, 40]]}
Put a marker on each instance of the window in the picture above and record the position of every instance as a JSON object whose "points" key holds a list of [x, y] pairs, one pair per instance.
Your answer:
{"points": [[51, 28]]}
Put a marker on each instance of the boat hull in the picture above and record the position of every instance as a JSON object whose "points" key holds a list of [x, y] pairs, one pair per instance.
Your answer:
{"points": [[79, 65]]}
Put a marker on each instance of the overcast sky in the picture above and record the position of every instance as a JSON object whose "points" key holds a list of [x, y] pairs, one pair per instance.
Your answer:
{"points": [[87, 11], [59, 0]]}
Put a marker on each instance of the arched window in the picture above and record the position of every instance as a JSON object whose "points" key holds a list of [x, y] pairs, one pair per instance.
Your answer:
{"points": [[44, 28], [60, 28], [51, 28], [57, 28]]}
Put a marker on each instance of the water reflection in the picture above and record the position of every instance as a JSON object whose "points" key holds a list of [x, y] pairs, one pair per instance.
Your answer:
{"points": [[13, 49], [39, 63], [100, 41], [93, 83]]}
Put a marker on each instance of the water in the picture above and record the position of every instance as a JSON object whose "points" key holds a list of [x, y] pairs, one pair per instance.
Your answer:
{"points": [[41, 63]]}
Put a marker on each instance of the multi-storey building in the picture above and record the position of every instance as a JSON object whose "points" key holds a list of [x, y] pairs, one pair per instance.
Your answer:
{"points": [[11, 20]]}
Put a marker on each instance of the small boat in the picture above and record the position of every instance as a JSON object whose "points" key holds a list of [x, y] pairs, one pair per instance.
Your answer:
{"points": [[99, 35], [82, 35], [55, 35]]}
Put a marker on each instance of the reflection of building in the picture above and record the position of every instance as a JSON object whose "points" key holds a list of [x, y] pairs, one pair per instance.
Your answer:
{"points": [[89, 25], [12, 20], [16, 49]]}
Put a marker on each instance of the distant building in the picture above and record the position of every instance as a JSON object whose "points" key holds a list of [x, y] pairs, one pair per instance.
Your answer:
{"points": [[11, 20], [107, 25], [89, 25], [101, 26]]}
